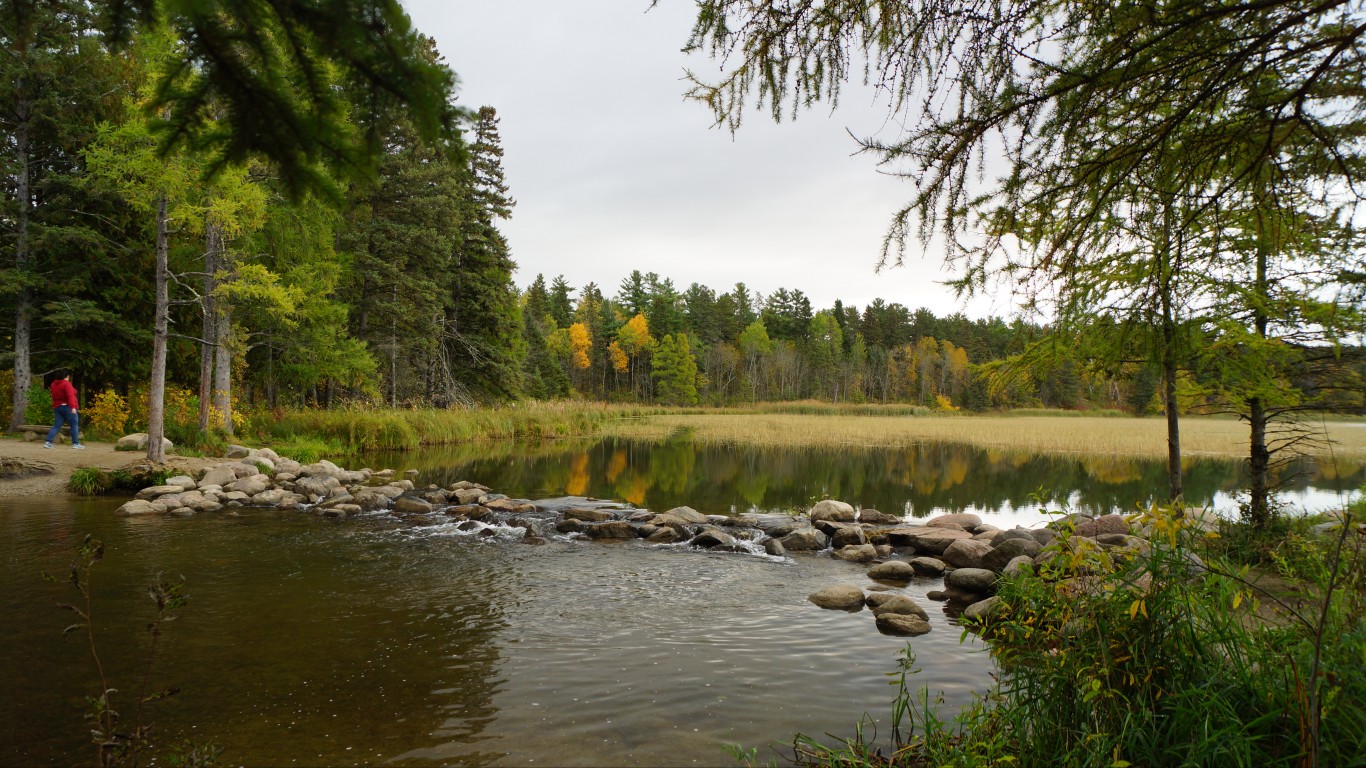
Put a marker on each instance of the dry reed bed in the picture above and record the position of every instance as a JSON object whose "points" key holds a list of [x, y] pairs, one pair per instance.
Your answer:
{"points": [[1041, 434]]}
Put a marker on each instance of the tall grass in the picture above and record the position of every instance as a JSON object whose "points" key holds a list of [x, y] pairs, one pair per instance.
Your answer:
{"points": [[366, 430]]}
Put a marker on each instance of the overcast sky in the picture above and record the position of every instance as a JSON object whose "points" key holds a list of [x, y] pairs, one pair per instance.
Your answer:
{"points": [[613, 170]]}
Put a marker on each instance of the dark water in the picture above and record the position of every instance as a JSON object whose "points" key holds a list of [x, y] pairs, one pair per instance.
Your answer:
{"points": [[373, 640]]}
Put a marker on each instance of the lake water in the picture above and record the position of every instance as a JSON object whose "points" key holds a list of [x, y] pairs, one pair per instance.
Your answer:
{"points": [[375, 640]]}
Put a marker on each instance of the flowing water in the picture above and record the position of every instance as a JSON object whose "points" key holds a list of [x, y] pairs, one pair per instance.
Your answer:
{"points": [[375, 640]]}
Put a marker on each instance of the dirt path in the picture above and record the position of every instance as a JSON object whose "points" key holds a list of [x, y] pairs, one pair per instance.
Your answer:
{"points": [[63, 460]]}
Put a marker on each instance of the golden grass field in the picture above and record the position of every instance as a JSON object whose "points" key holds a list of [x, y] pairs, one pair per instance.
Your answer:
{"points": [[1200, 436]]}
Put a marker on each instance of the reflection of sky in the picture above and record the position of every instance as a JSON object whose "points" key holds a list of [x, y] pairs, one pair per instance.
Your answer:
{"points": [[1306, 501]]}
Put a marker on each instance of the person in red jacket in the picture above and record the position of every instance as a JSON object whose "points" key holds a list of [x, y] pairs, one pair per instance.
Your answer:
{"points": [[65, 409]]}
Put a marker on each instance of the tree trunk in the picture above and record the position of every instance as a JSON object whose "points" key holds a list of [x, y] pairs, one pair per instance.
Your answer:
{"points": [[156, 394], [23, 311], [1259, 457], [222, 371], [1175, 488], [212, 244]]}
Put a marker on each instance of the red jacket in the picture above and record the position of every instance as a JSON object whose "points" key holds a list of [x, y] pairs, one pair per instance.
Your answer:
{"points": [[64, 394]]}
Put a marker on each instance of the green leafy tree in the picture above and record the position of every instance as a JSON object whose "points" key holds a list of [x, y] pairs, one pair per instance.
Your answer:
{"points": [[675, 371]]}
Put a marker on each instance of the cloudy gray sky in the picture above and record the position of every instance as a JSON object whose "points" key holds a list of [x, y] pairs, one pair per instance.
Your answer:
{"points": [[613, 170]]}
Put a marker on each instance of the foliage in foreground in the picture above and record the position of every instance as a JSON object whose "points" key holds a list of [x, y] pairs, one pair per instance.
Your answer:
{"points": [[122, 738], [1169, 657]]}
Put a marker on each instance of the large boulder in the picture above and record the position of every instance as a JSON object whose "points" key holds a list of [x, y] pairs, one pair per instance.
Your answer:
{"points": [[925, 540], [250, 485], [892, 570], [589, 515], [317, 486], [711, 537], [983, 611], [1008, 550], [964, 520], [687, 515], [887, 602], [965, 553], [847, 536], [845, 597], [901, 624], [858, 553], [928, 566], [138, 442], [184, 481], [220, 475], [412, 505], [805, 540], [834, 511], [140, 507], [874, 517], [1110, 523], [612, 529], [978, 581], [665, 535], [466, 495]]}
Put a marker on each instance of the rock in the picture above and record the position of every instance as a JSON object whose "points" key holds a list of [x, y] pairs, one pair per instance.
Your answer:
{"points": [[1110, 523], [978, 581], [370, 501], [884, 551], [241, 469], [139, 507], [835, 511], [664, 535], [237, 496], [938, 595], [412, 505], [805, 540], [510, 505], [391, 491], [774, 548], [925, 540], [848, 536], [983, 611], [928, 566], [903, 625], [138, 442], [858, 553], [466, 495], [986, 537], [588, 515], [571, 526], [250, 485], [845, 597], [963, 520], [292, 501], [237, 452], [892, 570], [965, 553], [884, 602], [874, 517], [157, 491], [687, 515], [219, 475], [288, 466], [1008, 550], [184, 481], [712, 538], [348, 509], [1018, 566], [316, 486], [1044, 536], [269, 497], [1014, 533], [612, 529]]}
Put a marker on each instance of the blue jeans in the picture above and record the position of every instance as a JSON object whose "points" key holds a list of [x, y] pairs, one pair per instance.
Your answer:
{"points": [[63, 414]]}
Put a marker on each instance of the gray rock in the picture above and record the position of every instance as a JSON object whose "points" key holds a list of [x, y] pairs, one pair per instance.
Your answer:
{"points": [[805, 540], [928, 566], [1018, 566], [370, 501], [874, 517], [925, 540], [664, 535], [858, 553], [892, 570], [1008, 550], [612, 529], [884, 602], [1044, 536], [588, 515], [250, 485], [965, 553], [687, 515], [1014, 533], [713, 538], [412, 506], [983, 611], [269, 497], [316, 486], [938, 595], [184, 481], [962, 520], [848, 536], [902, 625], [774, 547], [510, 505], [237, 452], [835, 511], [978, 581], [157, 491], [140, 507], [348, 509], [845, 597], [466, 495], [571, 526]]}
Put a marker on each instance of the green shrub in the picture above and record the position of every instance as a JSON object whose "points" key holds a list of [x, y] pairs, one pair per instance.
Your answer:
{"points": [[39, 409], [89, 481]]}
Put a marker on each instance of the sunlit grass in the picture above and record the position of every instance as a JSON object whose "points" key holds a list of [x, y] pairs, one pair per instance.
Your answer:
{"points": [[1038, 434]]}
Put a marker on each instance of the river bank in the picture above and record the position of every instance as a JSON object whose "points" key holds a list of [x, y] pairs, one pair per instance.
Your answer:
{"points": [[48, 469]]}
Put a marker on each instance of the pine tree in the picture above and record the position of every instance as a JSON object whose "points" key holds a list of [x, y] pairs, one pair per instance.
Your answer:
{"points": [[675, 371]]}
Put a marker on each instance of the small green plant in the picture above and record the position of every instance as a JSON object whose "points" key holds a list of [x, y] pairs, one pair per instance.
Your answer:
{"points": [[119, 742], [39, 408], [89, 481]]}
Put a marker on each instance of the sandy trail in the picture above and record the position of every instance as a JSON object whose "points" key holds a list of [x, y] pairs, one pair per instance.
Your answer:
{"points": [[64, 460]]}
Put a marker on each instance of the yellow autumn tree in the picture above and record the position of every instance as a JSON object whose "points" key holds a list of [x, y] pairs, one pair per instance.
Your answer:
{"points": [[580, 342], [618, 357]]}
